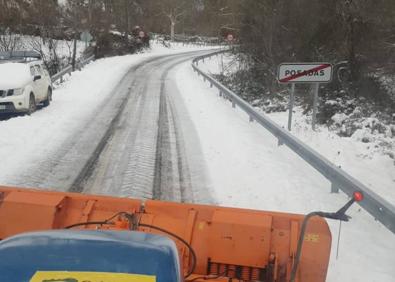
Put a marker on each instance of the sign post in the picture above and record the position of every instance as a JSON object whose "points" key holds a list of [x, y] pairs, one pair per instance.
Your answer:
{"points": [[291, 106], [86, 37], [315, 105], [315, 73]]}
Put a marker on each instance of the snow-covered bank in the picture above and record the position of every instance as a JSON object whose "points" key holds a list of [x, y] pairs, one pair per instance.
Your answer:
{"points": [[247, 169], [372, 163], [362, 160]]}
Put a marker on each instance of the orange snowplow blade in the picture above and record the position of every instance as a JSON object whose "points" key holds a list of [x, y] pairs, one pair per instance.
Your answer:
{"points": [[246, 245]]}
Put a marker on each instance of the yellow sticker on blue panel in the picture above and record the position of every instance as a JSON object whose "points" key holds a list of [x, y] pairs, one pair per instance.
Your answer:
{"points": [[70, 276]]}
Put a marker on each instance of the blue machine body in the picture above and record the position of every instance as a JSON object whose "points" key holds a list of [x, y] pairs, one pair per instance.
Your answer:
{"points": [[89, 251]]}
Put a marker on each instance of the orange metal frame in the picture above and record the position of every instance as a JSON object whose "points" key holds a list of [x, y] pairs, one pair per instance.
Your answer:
{"points": [[248, 244]]}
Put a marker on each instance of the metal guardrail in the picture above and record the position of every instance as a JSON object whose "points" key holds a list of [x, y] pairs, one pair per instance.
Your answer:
{"points": [[186, 40], [378, 207], [69, 69]]}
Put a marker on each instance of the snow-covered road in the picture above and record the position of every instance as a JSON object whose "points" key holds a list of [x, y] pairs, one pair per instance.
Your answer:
{"points": [[144, 151], [99, 138], [103, 128]]}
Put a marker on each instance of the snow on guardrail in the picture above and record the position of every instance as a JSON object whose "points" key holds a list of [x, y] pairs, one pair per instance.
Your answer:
{"points": [[69, 69]]}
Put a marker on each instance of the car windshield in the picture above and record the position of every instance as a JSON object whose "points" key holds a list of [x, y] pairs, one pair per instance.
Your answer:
{"points": [[268, 105]]}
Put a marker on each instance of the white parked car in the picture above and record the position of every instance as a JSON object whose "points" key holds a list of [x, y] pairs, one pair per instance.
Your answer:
{"points": [[24, 82]]}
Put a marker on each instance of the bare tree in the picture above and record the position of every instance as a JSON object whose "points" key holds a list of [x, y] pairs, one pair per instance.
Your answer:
{"points": [[174, 10], [9, 41]]}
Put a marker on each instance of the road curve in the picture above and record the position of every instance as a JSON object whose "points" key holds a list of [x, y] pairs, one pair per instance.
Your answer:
{"points": [[140, 143]]}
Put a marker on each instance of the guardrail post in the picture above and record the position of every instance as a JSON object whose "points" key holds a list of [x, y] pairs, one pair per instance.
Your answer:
{"points": [[211, 85], [251, 119], [233, 103], [290, 106], [220, 93], [334, 188]]}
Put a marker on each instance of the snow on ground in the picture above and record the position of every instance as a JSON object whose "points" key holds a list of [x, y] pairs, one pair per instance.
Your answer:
{"points": [[222, 63], [25, 139], [247, 169], [359, 159], [364, 161]]}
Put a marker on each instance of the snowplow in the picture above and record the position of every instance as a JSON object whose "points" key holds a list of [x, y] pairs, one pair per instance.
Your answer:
{"points": [[57, 236]]}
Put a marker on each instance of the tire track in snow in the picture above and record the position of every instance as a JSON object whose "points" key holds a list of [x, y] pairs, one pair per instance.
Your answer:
{"points": [[148, 135], [172, 179], [127, 164]]}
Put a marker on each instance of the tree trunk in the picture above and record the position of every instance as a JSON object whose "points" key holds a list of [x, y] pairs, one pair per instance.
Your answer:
{"points": [[74, 54], [351, 40], [172, 30], [127, 20]]}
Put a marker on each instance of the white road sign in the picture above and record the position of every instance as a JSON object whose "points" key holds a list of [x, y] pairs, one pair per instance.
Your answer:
{"points": [[86, 36], [305, 73]]}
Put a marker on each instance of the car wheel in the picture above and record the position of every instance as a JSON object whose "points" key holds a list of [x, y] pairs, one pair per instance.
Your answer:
{"points": [[32, 105], [49, 98]]}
